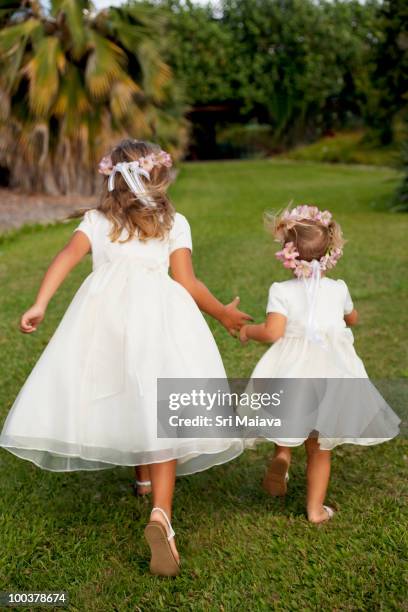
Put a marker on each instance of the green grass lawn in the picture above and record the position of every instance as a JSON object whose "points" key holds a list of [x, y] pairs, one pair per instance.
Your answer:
{"points": [[240, 549]]}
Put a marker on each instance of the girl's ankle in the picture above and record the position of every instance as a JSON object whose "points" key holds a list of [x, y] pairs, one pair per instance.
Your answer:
{"points": [[282, 456], [164, 509], [315, 514]]}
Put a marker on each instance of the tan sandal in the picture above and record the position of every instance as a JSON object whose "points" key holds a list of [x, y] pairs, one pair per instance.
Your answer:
{"points": [[163, 561], [276, 478]]}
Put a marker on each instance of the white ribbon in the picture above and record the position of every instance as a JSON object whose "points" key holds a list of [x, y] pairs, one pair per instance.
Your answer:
{"points": [[312, 285], [131, 172]]}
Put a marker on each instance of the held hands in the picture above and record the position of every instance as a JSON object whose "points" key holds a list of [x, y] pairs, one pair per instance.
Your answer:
{"points": [[233, 319], [31, 319], [243, 334]]}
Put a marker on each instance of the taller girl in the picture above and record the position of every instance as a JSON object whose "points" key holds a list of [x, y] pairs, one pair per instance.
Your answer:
{"points": [[90, 402]]}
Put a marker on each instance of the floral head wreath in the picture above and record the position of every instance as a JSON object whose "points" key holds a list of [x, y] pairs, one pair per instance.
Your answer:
{"points": [[289, 256], [132, 171]]}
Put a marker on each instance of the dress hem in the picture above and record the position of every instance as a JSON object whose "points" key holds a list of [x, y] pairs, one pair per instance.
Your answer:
{"points": [[292, 444], [18, 452]]}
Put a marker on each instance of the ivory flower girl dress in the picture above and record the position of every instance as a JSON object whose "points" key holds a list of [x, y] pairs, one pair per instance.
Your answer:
{"points": [[340, 402], [90, 401]]}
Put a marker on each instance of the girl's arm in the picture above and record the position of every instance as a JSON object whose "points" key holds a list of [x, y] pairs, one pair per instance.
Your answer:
{"points": [[62, 264], [182, 271], [351, 318], [270, 331]]}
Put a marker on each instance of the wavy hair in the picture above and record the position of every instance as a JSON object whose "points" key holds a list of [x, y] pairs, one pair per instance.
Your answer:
{"points": [[124, 209], [311, 238]]}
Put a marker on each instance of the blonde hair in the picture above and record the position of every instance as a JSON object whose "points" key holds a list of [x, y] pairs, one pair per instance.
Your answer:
{"points": [[124, 209], [311, 237]]}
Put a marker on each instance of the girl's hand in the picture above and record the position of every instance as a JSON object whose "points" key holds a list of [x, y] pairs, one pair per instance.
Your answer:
{"points": [[31, 319], [182, 272], [243, 334], [62, 264], [232, 318]]}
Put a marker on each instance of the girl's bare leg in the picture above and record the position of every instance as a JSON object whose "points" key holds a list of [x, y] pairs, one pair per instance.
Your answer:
{"points": [[163, 477], [284, 453], [275, 481], [318, 475], [142, 474]]}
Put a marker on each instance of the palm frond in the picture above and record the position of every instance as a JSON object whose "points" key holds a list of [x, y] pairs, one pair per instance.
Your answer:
{"points": [[72, 97], [129, 31], [13, 43], [156, 73], [10, 69], [136, 122], [43, 74], [13, 36], [122, 95], [104, 65], [73, 14], [170, 130], [144, 18]]}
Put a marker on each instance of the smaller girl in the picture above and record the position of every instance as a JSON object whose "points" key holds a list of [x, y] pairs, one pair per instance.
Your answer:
{"points": [[307, 319]]}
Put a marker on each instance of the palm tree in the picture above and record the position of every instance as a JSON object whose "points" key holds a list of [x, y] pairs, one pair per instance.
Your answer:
{"points": [[74, 80]]}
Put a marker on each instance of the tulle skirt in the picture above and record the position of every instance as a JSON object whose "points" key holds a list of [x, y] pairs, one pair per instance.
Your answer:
{"points": [[90, 402], [328, 393]]}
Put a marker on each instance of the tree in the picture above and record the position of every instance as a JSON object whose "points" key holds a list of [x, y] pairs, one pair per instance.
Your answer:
{"points": [[201, 51], [388, 95], [400, 202], [299, 61], [75, 80], [299, 66]]}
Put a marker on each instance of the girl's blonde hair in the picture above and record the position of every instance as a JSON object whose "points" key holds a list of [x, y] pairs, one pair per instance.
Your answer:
{"points": [[313, 236], [124, 209]]}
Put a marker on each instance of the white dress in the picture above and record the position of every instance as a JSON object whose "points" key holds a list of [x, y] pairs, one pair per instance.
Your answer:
{"points": [[90, 401], [318, 345]]}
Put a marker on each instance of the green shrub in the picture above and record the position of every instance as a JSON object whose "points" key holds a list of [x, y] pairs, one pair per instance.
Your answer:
{"points": [[401, 195], [250, 140], [347, 148]]}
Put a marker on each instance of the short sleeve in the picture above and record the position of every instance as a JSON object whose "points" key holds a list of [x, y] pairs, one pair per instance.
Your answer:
{"points": [[180, 234], [276, 300], [348, 302], [86, 226]]}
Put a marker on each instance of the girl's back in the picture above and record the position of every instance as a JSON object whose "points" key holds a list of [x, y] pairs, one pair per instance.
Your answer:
{"points": [[333, 301], [97, 227]]}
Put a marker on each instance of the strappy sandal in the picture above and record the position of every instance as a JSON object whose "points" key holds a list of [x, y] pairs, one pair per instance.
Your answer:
{"points": [[330, 512], [163, 561], [138, 484], [276, 478]]}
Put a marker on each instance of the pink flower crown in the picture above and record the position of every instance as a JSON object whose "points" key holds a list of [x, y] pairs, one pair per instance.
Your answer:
{"points": [[146, 163], [306, 213], [289, 256]]}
